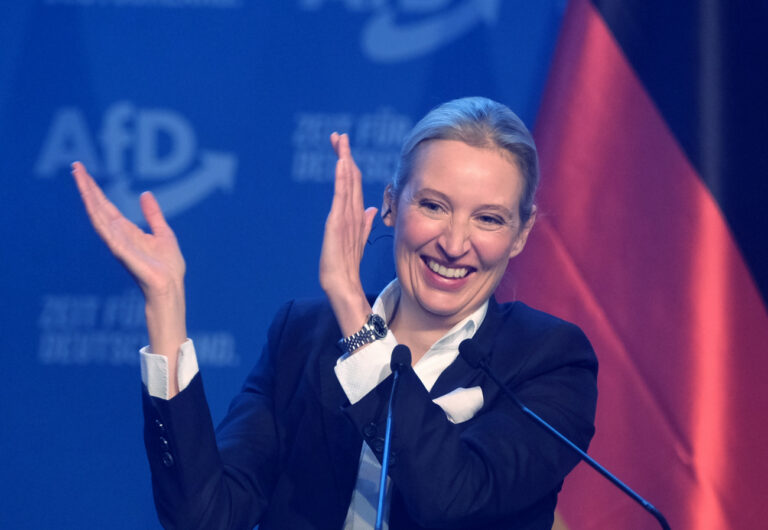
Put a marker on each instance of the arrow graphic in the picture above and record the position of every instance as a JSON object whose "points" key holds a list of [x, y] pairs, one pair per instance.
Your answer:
{"points": [[383, 40], [216, 171]]}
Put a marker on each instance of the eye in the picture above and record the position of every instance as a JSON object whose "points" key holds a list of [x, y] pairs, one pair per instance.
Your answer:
{"points": [[491, 220], [430, 206]]}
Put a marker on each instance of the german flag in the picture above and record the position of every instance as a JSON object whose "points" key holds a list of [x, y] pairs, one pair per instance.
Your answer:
{"points": [[651, 235]]}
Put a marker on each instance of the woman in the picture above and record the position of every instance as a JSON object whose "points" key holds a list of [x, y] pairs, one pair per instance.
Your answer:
{"points": [[301, 444]]}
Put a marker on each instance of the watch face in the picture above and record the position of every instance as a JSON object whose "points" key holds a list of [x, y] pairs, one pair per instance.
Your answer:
{"points": [[378, 325]]}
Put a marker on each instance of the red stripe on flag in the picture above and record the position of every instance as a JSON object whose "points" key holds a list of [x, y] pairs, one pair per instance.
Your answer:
{"points": [[630, 245]]}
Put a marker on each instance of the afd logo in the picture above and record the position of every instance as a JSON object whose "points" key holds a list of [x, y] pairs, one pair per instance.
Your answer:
{"points": [[414, 28], [154, 148]]}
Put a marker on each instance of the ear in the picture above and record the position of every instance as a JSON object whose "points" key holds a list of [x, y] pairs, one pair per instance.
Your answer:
{"points": [[522, 237], [388, 204]]}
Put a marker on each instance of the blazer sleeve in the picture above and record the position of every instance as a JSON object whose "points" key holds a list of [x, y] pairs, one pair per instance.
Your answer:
{"points": [[499, 463], [221, 479]]}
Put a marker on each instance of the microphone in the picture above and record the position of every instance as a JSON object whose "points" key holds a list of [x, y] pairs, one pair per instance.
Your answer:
{"points": [[473, 357], [471, 354], [399, 361], [401, 358]]}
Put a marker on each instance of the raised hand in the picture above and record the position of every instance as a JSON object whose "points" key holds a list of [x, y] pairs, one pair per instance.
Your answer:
{"points": [[153, 259], [346, 232]]}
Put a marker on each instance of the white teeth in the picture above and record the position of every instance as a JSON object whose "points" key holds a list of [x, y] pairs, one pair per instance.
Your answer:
{"points": [[447, 272]]}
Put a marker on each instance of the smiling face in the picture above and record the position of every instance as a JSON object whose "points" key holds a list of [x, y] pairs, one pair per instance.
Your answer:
{"points": [[457, 224]]}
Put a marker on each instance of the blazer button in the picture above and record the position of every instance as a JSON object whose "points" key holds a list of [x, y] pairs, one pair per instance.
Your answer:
{"points": [[164, 445], [377, 445], [369, 431], [160, 425], [167, 459]]}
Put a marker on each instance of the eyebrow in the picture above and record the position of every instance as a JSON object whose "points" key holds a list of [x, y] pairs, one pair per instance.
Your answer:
{"points": [[495, 207]]}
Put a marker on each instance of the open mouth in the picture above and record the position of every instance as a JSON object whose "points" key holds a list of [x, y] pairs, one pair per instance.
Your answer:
{"points": [[446, 272]]}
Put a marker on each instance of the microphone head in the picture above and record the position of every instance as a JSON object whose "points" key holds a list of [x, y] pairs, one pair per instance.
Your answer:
{"points": [[401, 358], [470, 353]]}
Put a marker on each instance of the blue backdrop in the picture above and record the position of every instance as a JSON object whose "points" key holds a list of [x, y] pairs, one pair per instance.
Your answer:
{"points": [[223, 109]]}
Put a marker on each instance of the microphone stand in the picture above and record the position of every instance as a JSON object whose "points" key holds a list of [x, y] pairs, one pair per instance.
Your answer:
{"points": [[401, 357], [470, 357]]}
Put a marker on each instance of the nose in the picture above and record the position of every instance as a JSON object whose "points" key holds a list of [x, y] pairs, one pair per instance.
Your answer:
{"points": [[454, 240]]}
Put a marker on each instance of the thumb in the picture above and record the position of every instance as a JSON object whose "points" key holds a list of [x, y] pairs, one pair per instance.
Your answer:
{"points": [[153, 214], [370, 215]]}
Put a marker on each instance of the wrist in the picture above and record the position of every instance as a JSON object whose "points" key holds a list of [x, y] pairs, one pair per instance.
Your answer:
{"points": [[166, 324], [164, 293], [351, 310]]}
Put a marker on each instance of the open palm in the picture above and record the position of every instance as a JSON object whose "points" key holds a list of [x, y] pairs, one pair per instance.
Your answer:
{"points": [[154, 259]]}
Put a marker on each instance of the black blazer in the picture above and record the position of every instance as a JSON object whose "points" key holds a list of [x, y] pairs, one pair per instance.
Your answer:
{"points": [[287, 453]]}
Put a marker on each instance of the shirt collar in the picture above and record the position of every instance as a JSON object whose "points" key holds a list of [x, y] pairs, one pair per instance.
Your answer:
{"points": [[386, 303]]}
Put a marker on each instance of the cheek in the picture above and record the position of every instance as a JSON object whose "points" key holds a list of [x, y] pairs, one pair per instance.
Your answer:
{"points": [[493, 249], [414, 231]]}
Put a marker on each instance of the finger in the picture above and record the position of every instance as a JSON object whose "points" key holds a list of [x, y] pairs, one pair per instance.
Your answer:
{"points": [[343, 149], [354, 178], [335, 142], [92, 195], [340, 189], [103, 214], [83, 186], [340, 144], [345, 152], [153, 214], [348, 194], [84, 182]]}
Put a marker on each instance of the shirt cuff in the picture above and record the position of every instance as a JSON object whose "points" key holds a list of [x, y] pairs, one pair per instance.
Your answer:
{"points": [[154, 369], [360, 372]]}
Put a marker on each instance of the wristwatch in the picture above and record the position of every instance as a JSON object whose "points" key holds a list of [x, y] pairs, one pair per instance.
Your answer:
{"points": [[374, 329]]}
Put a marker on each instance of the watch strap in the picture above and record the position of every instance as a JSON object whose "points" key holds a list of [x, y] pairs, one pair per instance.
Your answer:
{"points": [[374, 328]]}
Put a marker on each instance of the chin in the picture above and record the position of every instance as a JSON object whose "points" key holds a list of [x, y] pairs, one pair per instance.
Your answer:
{"points": [[446, 308]]}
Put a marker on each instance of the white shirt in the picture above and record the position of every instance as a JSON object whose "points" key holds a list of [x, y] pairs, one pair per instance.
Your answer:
{"points": [[358, 374]]}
